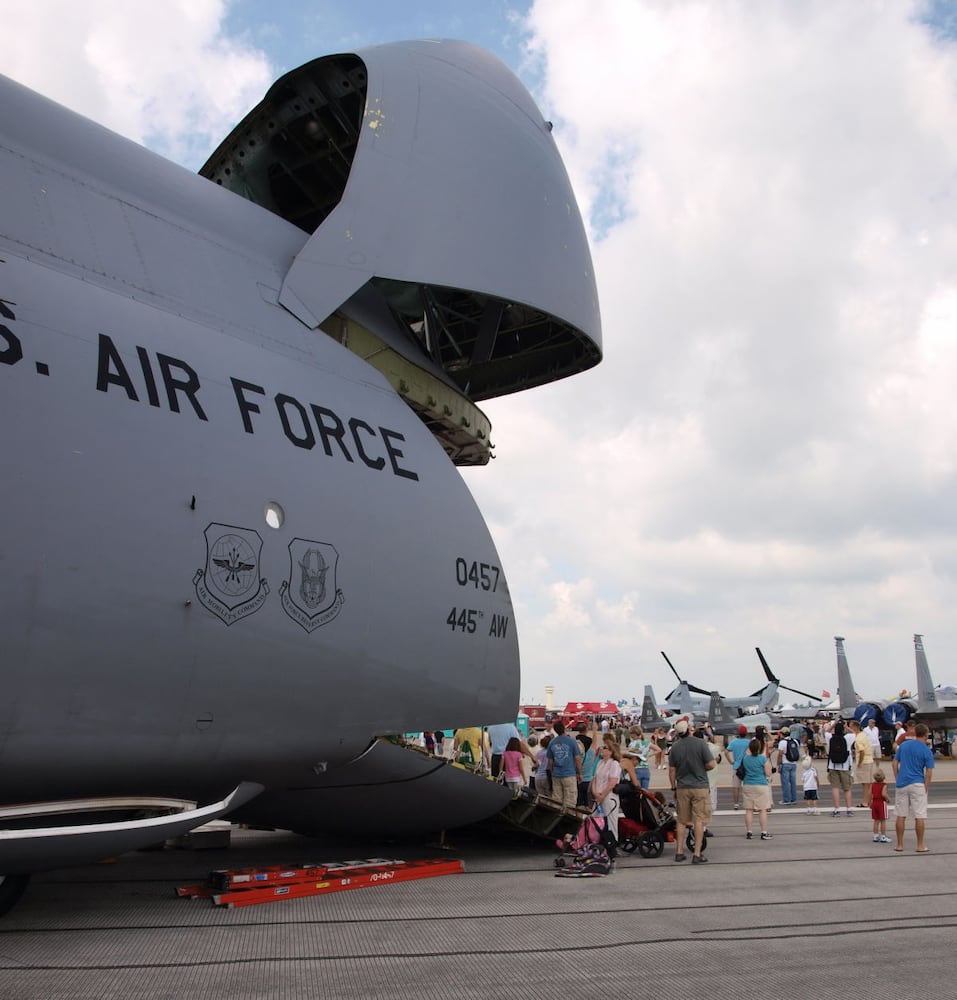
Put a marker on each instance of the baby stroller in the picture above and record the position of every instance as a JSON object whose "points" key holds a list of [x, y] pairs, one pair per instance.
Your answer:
{"points": [[591, 851], [648, 822]]}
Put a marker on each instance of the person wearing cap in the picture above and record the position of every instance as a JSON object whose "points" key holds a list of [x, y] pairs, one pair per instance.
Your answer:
{"points": [[787, 769], [689, 762], [737, 748]]}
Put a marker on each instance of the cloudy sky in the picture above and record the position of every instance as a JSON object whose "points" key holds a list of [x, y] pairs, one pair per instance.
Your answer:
{"points": [[768, 454]]}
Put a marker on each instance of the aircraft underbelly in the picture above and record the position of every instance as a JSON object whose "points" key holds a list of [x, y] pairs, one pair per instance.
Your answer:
{"points": [[390, 790], [158, 631]]}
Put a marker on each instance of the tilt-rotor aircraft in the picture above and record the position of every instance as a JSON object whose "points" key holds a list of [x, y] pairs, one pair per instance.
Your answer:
{"points": [[682, 699], [722, 719], [236, 548]]}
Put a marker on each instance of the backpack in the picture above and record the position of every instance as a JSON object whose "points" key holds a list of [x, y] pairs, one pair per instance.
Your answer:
{"points": [[739, 771], [837, 751], [792, 751], [606, 838], [465, 753]]}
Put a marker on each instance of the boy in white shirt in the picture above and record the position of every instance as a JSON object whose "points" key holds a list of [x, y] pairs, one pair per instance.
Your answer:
{"points": [[809, 779]]}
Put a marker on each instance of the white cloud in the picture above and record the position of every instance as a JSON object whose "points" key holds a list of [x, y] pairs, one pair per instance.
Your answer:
{"points": [[164, 72], [767, 454]]}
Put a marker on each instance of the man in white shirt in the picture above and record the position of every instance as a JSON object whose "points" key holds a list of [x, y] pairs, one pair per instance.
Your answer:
{"points": [[787, 768], [839, 750]]}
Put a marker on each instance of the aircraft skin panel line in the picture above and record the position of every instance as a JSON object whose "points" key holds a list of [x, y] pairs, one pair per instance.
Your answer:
{"points": [[58, 145], [23, 850], [410, 789], [141, 802]]}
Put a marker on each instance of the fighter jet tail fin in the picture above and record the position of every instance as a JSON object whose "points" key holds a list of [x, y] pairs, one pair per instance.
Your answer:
{"points": [[845, 686], [650, 716], [926, 694], [718, 713]]}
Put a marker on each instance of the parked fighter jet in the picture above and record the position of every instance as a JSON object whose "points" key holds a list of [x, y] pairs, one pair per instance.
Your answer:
{"points": [[236, 550], [939, 713], [851, 705]]}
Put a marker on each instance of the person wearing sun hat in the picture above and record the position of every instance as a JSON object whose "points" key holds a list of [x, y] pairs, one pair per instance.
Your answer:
{"points": [[688, 766]]}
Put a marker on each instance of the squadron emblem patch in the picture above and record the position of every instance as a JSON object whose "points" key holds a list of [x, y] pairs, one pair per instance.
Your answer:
{"points": [[310, 595], [230, 585]]}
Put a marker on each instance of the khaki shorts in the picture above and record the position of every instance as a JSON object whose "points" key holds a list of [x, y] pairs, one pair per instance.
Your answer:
{"points": [[694, 805], [840, 779], [756, 797], [910, 802], [864, 774]]}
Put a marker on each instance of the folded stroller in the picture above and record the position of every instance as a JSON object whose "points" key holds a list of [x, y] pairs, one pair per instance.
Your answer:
{"points": [[589, 852]]}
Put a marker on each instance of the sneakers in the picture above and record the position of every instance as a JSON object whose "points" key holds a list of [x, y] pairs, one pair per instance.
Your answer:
{"points": [[681, 857], [876, 839], [749, 835], [848, 812], [736, 806], [837, 812], [698, 859], [883, 840], [765, 835]]}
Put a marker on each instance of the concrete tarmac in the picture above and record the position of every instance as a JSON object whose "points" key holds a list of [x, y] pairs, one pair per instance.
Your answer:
{"points": [[820, 910]]}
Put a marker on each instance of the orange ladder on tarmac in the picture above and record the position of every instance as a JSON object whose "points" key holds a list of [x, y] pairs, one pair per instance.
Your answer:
{"points": [[249, 886]]}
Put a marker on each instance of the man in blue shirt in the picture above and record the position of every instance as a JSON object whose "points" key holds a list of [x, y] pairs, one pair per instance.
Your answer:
{"points": [[913, 770], [498, 736], [565, 765]]}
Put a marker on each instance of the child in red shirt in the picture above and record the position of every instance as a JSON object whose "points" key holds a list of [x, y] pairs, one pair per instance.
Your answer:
{"points": [[879, 800]]}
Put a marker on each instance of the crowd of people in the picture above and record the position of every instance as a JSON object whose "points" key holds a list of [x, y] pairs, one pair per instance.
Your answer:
{"points": [[587, 768]]}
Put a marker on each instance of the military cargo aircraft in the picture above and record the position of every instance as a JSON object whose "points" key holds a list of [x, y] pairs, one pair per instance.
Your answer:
{"points": [[236, 549]]}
